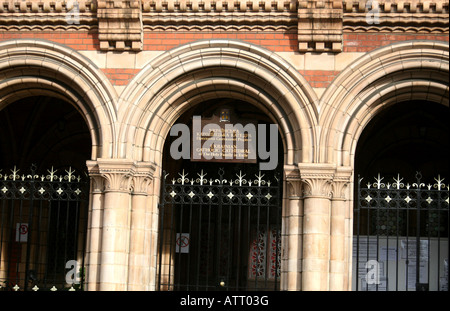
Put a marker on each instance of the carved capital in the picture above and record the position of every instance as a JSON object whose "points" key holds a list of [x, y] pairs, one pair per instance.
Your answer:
{"points": [[340, 183], [116, 173], [142, 179], [317, 179], [294, 182], [97, 183]]}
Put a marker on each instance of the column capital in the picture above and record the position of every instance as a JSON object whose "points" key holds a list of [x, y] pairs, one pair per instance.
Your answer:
{"points": [[116, 173], [341, 180], [142, 178], [294, 182], [317, 179]]}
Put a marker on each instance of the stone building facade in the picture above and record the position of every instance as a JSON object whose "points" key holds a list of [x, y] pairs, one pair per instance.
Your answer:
{"points": [[320, 70]]}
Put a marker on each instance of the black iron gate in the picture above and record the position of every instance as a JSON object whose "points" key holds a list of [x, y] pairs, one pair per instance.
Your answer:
{"points": [[401, 235], [43, 221], [219, 233]]}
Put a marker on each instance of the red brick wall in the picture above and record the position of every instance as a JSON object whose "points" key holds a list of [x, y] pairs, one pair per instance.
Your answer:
{"points": [[365, 42], [120, 76], [166, 40], [273, 41], [319, 78], [80, 40]]}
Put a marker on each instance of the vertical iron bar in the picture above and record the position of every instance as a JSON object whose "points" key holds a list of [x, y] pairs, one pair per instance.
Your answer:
{"points": [[55, 267], [407, 242], [448, 239], [368, 238], [358, 227], [47, 259], [188, 269], [397, 209], [218, 244], [388, 213], [268, 240], [257, 238], [378, 207], [277, 226], [230, 244], [30, 229], [238, 257], [249, 244], [66, 234], [38, 240], [418, 203], [2, 228], [11, 238], [19, 245], [178, 264], [208, 249], [199, 239]]}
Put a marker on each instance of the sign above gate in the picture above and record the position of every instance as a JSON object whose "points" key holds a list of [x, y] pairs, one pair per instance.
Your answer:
{"points": [[224, 138]]}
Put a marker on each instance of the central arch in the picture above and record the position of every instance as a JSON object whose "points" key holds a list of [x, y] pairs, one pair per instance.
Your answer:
{"points": [[197, 72], [189, 75]]}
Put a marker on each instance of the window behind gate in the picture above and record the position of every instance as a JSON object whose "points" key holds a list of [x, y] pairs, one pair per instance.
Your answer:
{"points": [[43, 219], [220, 231], [401, 235]]}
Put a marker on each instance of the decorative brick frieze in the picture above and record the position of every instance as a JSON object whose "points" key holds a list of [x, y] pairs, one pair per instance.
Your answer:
{"points": [[412, 16], [317, 25]]}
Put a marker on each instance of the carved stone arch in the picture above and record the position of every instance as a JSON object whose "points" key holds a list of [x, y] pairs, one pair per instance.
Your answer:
{"points": [[397, 73], [31, 67], [186, 76]]}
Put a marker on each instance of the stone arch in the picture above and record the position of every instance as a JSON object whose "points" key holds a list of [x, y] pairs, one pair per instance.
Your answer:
{"points": [[31, 67], [192, 73], [400, 72]]}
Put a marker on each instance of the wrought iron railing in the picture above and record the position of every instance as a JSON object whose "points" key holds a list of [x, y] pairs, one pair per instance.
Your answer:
{"points": [[401, 234], [220, 233], [43, 219]]}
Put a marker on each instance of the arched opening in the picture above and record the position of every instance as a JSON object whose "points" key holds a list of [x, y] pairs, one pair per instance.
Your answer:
{"points": [[401, 208], [220, 221], [44, 146]]}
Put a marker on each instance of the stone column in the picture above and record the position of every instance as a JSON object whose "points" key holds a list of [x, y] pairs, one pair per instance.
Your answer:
{"points": [[139, 258], [317, 179], [94, 232], [338, 260], [116, 174], [293, 227]]}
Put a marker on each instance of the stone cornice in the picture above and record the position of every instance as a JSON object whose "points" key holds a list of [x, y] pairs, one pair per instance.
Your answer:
{"points": [[319, 23]]}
